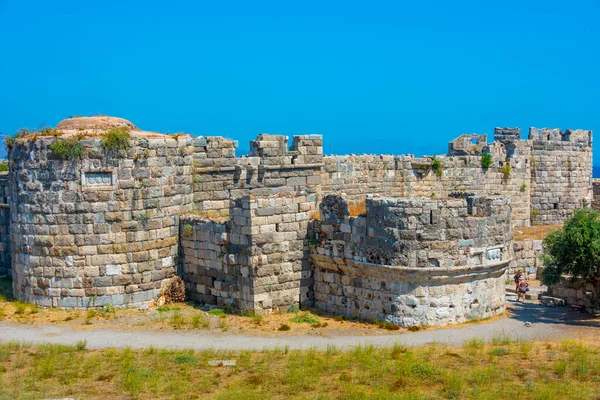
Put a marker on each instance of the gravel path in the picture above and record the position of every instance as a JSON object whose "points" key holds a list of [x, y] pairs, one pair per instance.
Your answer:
{"points": [[547, 323]]}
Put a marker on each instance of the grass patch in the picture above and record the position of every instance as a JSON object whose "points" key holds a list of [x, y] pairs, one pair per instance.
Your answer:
{"points": [[116, 139], [58, 371], [66, 149], [199, 321], [217, 312], [304, 317]]}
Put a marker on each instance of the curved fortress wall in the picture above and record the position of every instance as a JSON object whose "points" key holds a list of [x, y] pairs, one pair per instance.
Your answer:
{"points": [[413, 261], [99, 230]]}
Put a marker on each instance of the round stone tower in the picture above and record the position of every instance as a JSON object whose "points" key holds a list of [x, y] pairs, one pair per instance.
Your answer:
{"points": [[95, 206]]}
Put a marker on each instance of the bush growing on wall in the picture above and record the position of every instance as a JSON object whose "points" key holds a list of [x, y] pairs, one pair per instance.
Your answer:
{"points": [[116, 139], [436, 166], [67, 149], [486, 160]]}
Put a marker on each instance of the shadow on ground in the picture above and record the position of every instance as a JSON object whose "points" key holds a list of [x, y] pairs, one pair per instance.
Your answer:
{"points": [[536, 313]]}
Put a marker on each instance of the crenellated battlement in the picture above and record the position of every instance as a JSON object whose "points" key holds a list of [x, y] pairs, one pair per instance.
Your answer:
{"points": [[356, 234]]}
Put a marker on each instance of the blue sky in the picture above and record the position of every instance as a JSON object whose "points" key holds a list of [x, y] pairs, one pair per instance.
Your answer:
{"points": [[372, 77]]}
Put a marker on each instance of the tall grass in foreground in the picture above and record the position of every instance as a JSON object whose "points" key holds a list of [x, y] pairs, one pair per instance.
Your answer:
{"points": [[478, 370]]}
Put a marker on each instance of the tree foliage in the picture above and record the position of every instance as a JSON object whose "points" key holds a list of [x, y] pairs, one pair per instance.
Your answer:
{"points": [[574, 249]]}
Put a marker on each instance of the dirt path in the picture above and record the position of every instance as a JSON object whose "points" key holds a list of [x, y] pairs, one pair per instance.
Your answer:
{"points": [[547, 324]]}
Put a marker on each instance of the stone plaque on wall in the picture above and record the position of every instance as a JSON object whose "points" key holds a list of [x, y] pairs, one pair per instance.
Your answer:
{"points": [[98, 179]]}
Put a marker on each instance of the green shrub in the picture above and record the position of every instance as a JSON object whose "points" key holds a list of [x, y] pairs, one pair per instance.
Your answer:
{"points": [[217, 312], [187, 359], [284, 327], [67, 149], [304, 318], [81, 345], [200, 321], [486, 160], [187, 231], [116, 139], [523, 187], [436, 166], [505, 169], [109, 308], [293, 309], [3, 167], [573, 250], [177, 319]]}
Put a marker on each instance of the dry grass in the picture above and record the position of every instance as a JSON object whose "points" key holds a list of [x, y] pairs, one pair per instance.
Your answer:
{"points": [[357, 208], [537, 232], [177, 316], [215, 215], [515, 370]]}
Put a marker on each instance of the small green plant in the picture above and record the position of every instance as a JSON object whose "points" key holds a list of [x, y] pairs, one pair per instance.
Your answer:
{"points": [[116, 139], [20, 307], [501, 339], [9, 141], [436, 166], [81, 345], [474, 343], [187, 231], [486, 160], [109, 308], [505, 169], [312, 242], [177, 319], [284, 327], [143, 218], [163, 309], [535, 213], [560, 368], [67, 149], [200, 321], [217, 312], [293, 309], [523, 187], [3, 167], [2, 313], [304, 318], [187, 359], [500, 351], [223, 325]]}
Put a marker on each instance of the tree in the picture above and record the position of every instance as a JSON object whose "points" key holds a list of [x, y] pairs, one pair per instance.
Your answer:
{"points": [[574, 250]]}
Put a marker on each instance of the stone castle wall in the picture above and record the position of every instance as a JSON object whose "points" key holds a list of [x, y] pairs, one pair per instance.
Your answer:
{"points": [[413, 261], [111, 228], [561, 173], [257, 259], [460, 172], [5, 253], [99, 230], [270, 167], [528, 258]]}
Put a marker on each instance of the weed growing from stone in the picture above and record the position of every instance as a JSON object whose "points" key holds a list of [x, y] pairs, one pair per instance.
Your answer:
{"points": [[116, 139], [66, 149], [486, 161]]}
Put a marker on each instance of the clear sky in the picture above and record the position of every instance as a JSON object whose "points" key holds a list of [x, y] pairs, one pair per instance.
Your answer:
{"points": [[372, 77]]}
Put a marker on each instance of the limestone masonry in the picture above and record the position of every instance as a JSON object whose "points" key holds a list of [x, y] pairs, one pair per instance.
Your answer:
{"points": [[409, 240]]}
